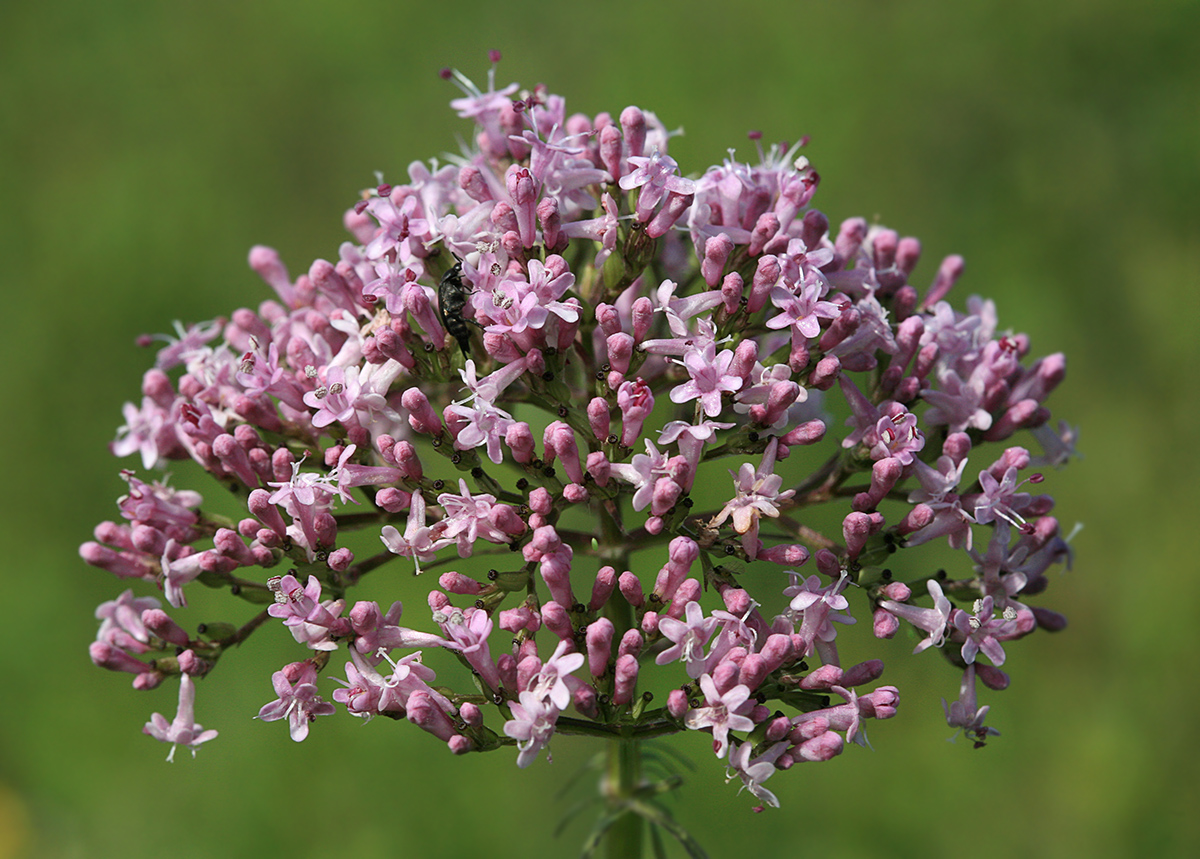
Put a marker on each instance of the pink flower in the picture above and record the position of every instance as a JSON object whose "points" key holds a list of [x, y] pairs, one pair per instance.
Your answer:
{"points": [[297, 699], [710, 378], [184, 729], [721, 713]]}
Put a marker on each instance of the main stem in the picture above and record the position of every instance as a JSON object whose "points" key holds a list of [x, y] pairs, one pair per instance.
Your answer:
{"points": [[622, 781], [624, 773]]}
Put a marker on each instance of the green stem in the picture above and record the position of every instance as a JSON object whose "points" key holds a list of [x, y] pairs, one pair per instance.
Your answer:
{"points": [[624, 837], [624, 776]]}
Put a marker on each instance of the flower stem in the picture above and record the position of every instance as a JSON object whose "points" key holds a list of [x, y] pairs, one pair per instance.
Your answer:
{"points": [[624, 777]]}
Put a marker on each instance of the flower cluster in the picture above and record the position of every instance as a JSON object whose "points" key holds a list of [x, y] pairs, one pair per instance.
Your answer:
{"points": [[546, 355]]}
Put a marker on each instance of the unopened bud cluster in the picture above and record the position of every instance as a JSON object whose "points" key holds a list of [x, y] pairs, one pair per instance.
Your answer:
{"points": [[559, 328]]}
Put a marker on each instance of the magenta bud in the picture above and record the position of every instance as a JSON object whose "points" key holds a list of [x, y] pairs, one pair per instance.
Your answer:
{"points": [[459, 745], [904, 302], [393, 500], [765, 228], [778, 729], [813, 228], [825, 373], [620, 351], [753, 671], [856, 528], [506, 667], [633, 124], [881, 703], [541, 501], [551, 223], [908, 253], [785, 554], [599, 467], [608, 319], [584, 699], [809, 432], [898, 591], [555, 618], [677, 703], [1051, 621], [863, 672], [599, 645], [991, 677], [575, 493], [516, 619], [688, 591], [519, 439], [339, 560], [631, 643], [159, 623], [725, 675], [824, 677], [716, 253], [504, 219], [457, 583], [598, 418], [535, 362], [606, 579], [470, 714], [471, 180], [884, 624], [266, 262], [825, 747], [148, 680], [777, 650], [642, 313], [766, 275], [948, 274], [737, 601], [610, 151], [506, 519], [421, 415], [423, 712], [190, 663], [625, 679], [851, 235], [114, 659], [731, 292], [631, 589]]}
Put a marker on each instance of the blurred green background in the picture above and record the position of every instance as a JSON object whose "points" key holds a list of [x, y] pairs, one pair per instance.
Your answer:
{"points": [[144, 147]]}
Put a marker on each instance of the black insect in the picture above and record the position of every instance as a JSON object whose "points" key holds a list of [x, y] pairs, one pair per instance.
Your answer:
{"points": [[452, 298]]}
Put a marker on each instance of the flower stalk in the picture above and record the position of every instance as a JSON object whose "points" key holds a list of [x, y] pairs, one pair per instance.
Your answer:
{"points": [[570, 390]]}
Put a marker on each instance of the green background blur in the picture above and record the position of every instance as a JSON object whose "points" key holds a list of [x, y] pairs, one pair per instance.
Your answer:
{"points": [[144, 147]]}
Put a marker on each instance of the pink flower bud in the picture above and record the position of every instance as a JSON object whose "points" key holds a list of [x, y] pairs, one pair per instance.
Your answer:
{"points": [[421, 415], [606, 579], [677, 703], [159, 623], [598, 417], [599, 645], [610, 152], [766, 275], [631, 589], [625, 679], [631, 643], [863, 672], [948, 274], [620, 351], [518, 437], [599, 467], [555, 617], [642, 312], [716, 253], [457, 583]]}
